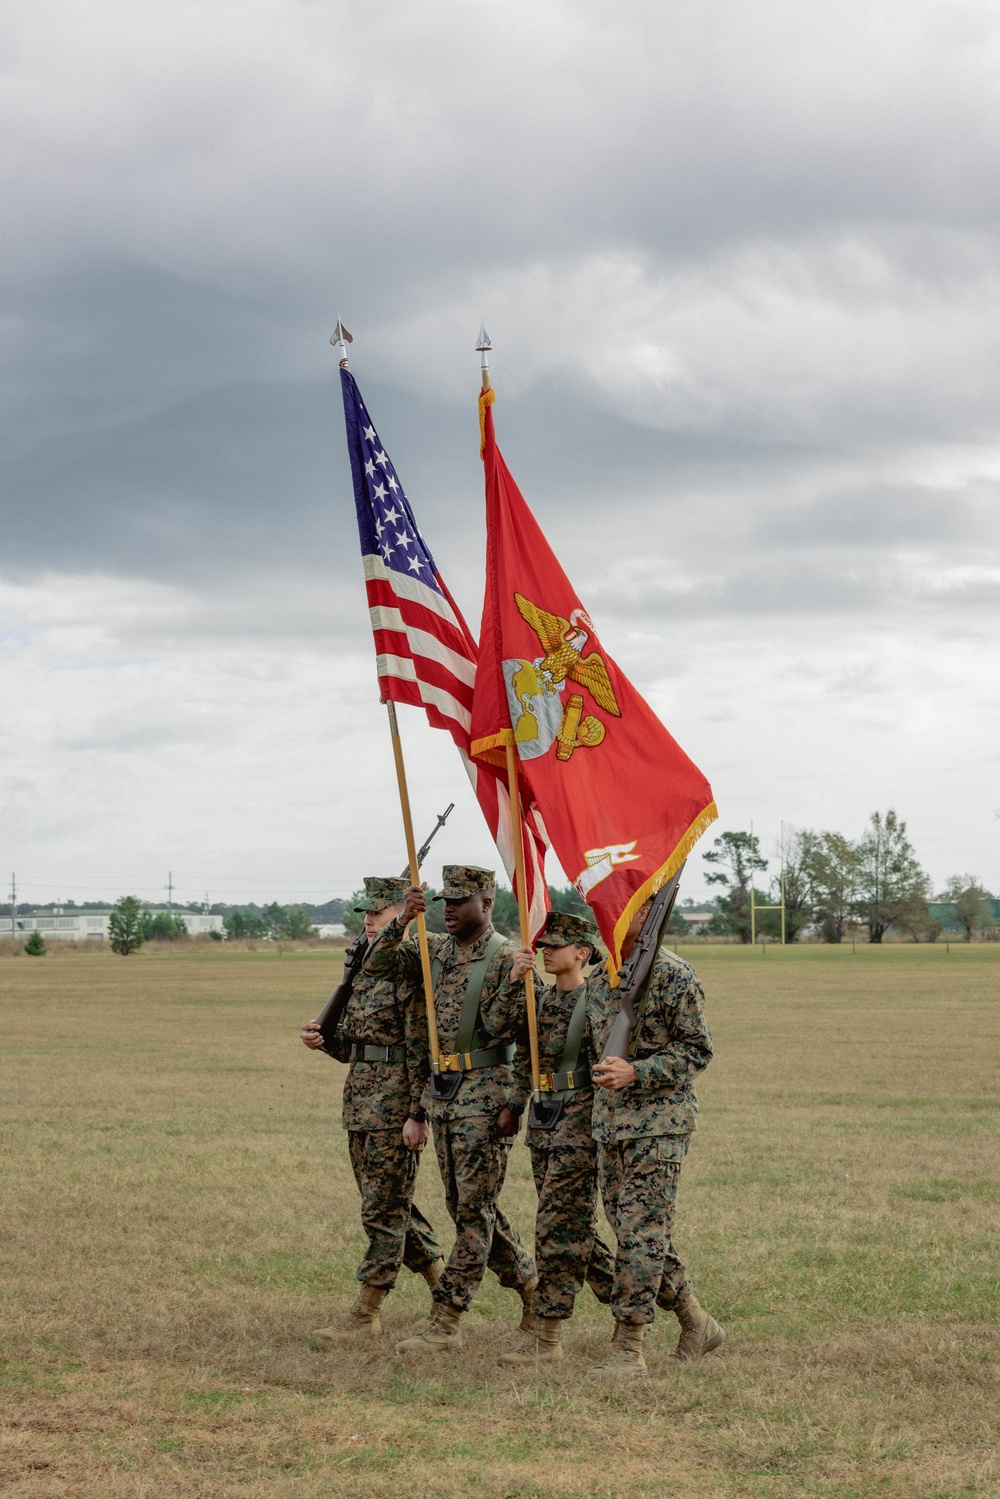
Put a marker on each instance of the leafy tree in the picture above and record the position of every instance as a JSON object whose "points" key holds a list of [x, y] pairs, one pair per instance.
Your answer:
{"points": [[677, 926], [888, 875], [286, 923], [125, 925], [35, 945], [354, 920], [973, 904], [242, 921], [505, 914], [162, 927], [916, 921], [829, 863], [737, 856], [298, 924], [569, 899]]}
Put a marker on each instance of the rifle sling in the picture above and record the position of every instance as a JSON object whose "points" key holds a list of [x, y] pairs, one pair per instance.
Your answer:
{"points": [[470, 1041]]}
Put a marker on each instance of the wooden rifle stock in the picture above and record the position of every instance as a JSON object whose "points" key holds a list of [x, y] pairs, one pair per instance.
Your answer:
{"points": [[335, 1006], [637, 972]]}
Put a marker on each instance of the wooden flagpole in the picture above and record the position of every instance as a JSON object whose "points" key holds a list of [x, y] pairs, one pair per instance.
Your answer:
{"points": [[340, 339], [411, 854], [522, 911], [517, 827]]}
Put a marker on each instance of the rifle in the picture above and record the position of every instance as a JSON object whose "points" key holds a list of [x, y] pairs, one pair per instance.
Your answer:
{"points": [[330, 1015], [637, 973], [422, 855]]}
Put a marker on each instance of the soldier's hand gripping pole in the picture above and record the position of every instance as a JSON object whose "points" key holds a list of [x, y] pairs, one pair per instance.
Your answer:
{"points": [[637, 972], [522, 911], [411, 850]]}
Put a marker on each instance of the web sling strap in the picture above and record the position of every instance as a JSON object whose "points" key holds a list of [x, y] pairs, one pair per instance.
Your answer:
{"points": [[470, 1050], [558, 1087]]}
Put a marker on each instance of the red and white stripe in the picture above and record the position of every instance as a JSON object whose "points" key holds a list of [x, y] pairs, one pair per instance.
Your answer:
{"points": [[427, 657]]}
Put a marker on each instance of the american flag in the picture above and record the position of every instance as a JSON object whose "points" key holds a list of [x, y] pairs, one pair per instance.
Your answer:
{"points": [[425, 653]]}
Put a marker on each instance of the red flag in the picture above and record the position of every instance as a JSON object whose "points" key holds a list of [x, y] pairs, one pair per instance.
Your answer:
{"points": [[622, 804]]}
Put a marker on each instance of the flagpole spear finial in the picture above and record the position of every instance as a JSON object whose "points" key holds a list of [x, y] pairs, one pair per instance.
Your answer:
{"points": [[483, 347], [340, 338]]}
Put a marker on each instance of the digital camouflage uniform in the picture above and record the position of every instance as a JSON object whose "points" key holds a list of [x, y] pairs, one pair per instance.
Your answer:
{"points": [[568, 1249], [471, 1154], [378, 1098], [643, 1133]]}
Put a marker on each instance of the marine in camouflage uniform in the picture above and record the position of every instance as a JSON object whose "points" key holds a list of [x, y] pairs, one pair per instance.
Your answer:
{"points": [[568, 1249], [382, 1036], [471, 1150], [643, 1130]]}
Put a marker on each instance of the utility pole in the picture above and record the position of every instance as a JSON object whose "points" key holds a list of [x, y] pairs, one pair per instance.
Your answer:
{"points": [[170, 892], [13, 907]]}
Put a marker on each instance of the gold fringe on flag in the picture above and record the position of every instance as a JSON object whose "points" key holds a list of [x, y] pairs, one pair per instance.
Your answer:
{"points": [[486, 398], [648, 889]]}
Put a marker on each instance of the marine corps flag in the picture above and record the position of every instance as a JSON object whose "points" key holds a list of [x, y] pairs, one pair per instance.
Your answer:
{"points": [[621, 802]]}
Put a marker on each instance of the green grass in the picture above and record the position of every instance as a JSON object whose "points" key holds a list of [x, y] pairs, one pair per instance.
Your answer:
{"points": [[179, 1212]]}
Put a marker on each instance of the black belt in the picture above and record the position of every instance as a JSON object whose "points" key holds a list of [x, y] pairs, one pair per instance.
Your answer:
{"points": [[564, 1082], [360, 1052], [469, 1061]]}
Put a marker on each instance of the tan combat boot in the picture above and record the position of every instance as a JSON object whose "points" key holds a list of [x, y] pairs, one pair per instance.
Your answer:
{"points": [[624, 1358], [541, 1346], [362, 1318], [527, 1295], [700, 1333], [433, 1273], [442, 1331]]}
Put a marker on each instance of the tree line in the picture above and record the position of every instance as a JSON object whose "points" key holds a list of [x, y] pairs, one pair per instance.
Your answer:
{"points": [[832, 883]]}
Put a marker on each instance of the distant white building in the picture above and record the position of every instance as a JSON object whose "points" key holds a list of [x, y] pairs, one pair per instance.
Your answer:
{"points": [[331, 929], [697, 920], [197, 922], [78, 924]]}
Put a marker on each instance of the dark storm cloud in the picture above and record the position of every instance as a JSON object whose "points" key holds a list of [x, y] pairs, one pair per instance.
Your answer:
{"points": [[731, 250]]}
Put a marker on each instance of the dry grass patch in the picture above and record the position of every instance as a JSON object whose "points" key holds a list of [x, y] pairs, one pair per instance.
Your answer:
{"points": [[179, 1211]]}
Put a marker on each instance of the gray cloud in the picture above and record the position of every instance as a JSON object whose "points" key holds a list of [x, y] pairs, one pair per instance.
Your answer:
{"points": [[741, 266]]}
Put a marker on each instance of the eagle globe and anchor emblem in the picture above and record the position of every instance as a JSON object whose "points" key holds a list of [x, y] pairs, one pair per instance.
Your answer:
{"points": [[542, 713]]}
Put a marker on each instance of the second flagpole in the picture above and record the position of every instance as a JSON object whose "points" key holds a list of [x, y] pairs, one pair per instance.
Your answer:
{"points": [[517, 826]]}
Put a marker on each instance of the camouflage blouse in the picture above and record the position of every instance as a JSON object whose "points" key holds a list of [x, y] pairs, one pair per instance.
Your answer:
{"points": [[555, 1007], [675, 1044], [487, 1090], [382, 1012]]}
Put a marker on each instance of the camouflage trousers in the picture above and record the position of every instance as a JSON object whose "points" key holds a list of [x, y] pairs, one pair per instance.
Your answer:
{"points": [[568, 1249], [398, 1233], [473, 1162], [639, 1180]]}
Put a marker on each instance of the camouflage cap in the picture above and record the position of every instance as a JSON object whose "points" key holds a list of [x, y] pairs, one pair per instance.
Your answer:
{"points": [[459, 881], [381, 891], [561, 929]]}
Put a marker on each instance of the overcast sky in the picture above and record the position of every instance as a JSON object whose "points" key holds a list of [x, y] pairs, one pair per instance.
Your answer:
{"points": [[740, 264]]}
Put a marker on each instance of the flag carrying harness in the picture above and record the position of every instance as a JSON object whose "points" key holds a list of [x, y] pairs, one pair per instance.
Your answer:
{"points": [[471, 1051], [570, 1076]]}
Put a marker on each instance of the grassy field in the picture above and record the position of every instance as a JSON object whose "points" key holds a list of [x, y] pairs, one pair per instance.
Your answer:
{"points": [[178, 1212]]}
